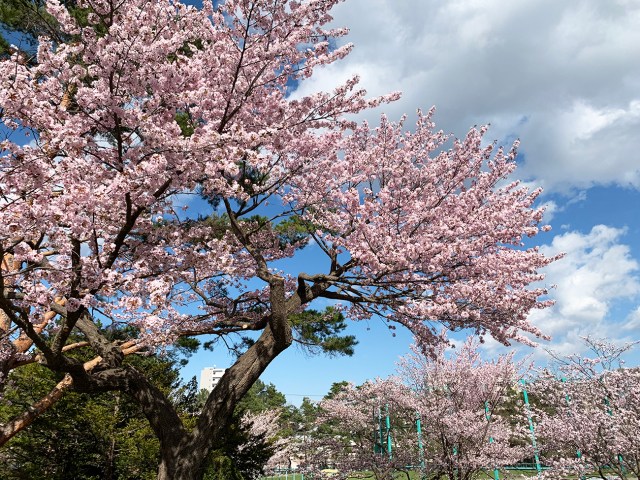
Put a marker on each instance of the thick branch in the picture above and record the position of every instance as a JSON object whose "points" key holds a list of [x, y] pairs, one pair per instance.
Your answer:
{"points": [[111, 353], [69, 320], [24, 343], [131, 218], [26, 418], [156, 407], [22, 421]]}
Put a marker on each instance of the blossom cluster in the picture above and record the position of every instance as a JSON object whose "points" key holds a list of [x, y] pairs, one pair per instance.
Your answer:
{"points": [[588, 414], [460, 402]]}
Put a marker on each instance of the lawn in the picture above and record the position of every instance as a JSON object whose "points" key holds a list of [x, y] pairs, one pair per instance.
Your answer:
{"points": [[401, 476]]}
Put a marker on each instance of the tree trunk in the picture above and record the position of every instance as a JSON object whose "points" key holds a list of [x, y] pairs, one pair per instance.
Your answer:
{"points": [[182, 465], [183, 453], [186, 461]]}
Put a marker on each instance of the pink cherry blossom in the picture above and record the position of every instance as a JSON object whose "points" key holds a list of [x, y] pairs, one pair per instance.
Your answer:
{"points": [[460, 401], [588, 413]]}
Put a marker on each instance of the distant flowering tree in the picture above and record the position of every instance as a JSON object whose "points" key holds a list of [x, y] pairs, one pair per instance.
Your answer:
{"points": [[355, 438], [460, 402], [266, 425], [589, 414], [152, 102]]}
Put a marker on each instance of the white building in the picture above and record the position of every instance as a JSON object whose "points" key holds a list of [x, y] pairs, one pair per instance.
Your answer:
{"points": [[209, 377]]}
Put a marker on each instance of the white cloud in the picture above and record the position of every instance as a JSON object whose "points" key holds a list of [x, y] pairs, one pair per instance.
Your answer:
{"points": [[633, 322], [550, 209], [597, 273], [562, 76]]}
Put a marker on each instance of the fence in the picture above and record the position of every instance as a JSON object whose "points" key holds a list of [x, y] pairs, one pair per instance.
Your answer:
{"points": [[284, 474]]}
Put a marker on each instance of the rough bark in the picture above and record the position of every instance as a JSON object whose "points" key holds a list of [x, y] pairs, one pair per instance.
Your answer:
{"points": [[183, 453], [186, 460]]}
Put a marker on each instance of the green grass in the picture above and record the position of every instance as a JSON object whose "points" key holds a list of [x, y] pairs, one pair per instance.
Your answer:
{"points": [[413, 475], [525, 474]]}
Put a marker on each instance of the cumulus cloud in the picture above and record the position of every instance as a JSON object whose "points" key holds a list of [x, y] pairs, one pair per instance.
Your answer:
{"points": [[632, 323], [597, 273], [550, 209], [561, 76]]}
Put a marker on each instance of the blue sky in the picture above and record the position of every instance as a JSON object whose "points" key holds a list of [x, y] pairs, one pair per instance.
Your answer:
{"points": [[564, 78]]}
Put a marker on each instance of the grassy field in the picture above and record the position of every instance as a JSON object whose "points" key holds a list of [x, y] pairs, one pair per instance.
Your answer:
{"points": [[416, 476], [412, 476]]}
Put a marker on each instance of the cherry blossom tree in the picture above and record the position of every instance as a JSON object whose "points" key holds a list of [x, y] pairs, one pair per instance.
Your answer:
{"points": [[266, 425], [460, 401], [154, 102], [364, 433], [588, 414]]}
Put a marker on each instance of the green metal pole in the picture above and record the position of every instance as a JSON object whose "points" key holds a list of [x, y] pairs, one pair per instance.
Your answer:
{"points": [[531, 428], [487, 415], [381, 447], [610, 413], [377, 432], [420, 445], [568, 400], [388, 425]]}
